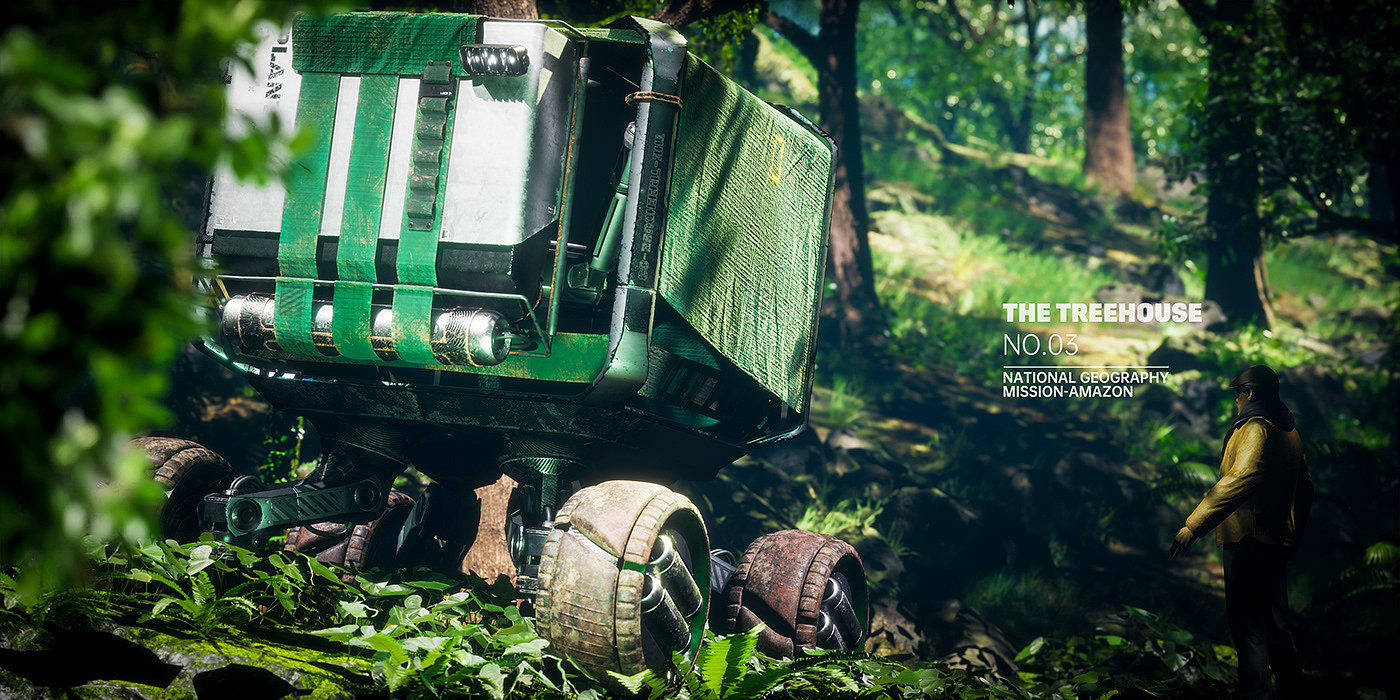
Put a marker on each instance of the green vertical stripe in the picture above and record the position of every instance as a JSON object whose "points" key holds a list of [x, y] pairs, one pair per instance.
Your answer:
{"points": [[368, 168], [301, 216], [359, 229], [413, 310], [350, 326], [417, 261], [293, 320], [306, 177]]}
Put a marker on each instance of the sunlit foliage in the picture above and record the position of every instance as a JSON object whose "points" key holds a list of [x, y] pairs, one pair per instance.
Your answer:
{"points": [[110, 116]]}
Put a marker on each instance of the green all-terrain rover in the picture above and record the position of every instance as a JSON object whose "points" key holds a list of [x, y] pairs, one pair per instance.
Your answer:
{"points": [[578, 257]]}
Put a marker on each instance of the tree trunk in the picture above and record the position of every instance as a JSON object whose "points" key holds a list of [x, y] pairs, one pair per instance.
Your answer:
{"points": [[1381, 190], [1108, 146], [1019, 128], [489, 554], [849, 262], [508, 9], [1235, 275]]}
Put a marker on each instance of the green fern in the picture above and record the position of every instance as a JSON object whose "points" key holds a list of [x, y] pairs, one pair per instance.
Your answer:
{"points": [[1383, 555], [655, 685], [816, 666], [1378, 572], [724, 662], [202, 590]]}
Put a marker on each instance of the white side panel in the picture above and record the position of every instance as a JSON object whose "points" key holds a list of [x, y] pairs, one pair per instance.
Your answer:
{"points": [[492, 141], [347, 102], [488, 168], [400, 153], [267, 93]]}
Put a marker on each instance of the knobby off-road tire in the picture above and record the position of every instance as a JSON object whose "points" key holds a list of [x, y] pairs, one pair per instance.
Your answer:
{"points": [[189, 472], [593, 572], [368, 545], [782, 581]]}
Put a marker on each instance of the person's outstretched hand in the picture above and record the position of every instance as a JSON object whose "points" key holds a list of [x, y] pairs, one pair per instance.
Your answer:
{"points": [[1184, 538]]}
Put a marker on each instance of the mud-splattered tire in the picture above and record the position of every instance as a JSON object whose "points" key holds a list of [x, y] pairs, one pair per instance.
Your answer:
{"points": [[188, 471], [368, 545], [782, 580], [594, 566]]}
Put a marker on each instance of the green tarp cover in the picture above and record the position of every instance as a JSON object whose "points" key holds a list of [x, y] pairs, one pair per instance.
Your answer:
{"points": [[746, 230], [385, 43]]}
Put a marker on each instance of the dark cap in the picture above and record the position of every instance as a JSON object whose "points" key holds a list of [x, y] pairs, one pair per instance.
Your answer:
{"points": [[1260, 377]]}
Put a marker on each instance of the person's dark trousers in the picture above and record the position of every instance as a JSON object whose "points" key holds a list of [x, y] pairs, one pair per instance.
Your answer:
{"points": [[1256, 601]]}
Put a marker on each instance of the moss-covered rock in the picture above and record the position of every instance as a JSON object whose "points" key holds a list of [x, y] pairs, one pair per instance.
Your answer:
{"points": [[248, 666]]}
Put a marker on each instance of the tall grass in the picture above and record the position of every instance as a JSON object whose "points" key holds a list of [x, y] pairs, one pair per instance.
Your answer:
{"points": [[1322, 273], [845, 402]]}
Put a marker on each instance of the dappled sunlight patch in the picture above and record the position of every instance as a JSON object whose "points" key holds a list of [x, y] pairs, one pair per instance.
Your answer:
{"points": [[972, 272]]}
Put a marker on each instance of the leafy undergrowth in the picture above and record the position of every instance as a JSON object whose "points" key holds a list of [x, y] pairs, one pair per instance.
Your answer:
{"points": [[419, 634]]}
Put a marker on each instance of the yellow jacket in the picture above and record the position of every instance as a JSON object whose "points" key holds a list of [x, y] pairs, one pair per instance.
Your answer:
{"points": [[1264, 492]]}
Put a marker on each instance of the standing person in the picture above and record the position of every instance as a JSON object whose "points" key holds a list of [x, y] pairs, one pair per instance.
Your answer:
{"points": [[1258, 510]]}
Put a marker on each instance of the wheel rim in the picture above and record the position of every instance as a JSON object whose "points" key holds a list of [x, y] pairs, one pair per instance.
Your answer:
{"points": [[594, 572]]}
